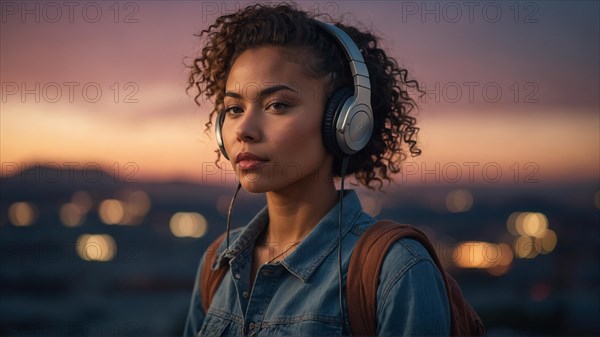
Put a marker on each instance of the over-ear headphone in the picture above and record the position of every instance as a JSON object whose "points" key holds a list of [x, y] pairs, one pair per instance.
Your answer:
{"points": [[348, 117]]}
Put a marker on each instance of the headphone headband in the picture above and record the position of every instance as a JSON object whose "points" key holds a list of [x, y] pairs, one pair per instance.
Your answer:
{"points": [[360, 74]]}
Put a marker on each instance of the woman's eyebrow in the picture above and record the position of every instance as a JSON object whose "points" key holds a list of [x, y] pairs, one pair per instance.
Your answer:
{"points": [[263, 93]]}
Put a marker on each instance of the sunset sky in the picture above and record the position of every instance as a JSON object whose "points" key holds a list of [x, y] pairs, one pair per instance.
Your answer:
{"points": [[513, 85]]}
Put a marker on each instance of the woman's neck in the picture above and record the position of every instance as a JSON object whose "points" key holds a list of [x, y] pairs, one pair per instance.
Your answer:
{"points": [[294, 213]]}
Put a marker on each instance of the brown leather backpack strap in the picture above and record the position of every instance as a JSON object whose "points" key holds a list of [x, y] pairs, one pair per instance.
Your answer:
{"points": [[363, 280], [365, 267], [463, 318], [363, 274], [211, 279]]}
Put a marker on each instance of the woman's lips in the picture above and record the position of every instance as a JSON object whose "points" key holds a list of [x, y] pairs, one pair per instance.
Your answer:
{"points": [[250, 164], [249, 161]]}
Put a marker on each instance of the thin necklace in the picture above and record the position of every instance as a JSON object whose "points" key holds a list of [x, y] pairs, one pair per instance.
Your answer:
{"points": [[285, 251]]}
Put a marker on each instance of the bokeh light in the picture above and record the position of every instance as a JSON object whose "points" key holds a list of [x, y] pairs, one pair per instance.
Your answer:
{"points": [[138, 203], [506, 256], [546, 243], [504, 261], [477, 254], [531, 224], [495, 258], [188, 224], [22, 214], [83, 201], [111, 211], [96, 247], [129, 208], [511, 223], [534, 236], [71, 215], [524, 247], [458, 201]]}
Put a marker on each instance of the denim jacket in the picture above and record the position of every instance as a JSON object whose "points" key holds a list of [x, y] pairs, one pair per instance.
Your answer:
{"points": [[299, 295]]}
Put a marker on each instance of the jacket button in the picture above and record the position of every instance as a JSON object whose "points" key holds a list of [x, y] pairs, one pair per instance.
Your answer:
{"points": [[237, 276], [252, 326], [245, 294]]}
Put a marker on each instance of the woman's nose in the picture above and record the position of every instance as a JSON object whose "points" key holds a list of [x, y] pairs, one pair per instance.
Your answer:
{"points": [[249, 128]]}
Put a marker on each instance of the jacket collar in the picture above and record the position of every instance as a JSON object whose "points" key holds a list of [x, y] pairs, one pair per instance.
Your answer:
{"points": [[310, 253], [242, 239]]}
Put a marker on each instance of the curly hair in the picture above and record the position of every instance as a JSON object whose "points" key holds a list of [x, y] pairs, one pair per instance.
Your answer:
{"points": [[285, 25]]}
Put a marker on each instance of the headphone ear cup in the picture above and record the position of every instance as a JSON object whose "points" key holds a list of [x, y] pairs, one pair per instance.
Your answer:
{"points": [[219, 132], [330, 117]]}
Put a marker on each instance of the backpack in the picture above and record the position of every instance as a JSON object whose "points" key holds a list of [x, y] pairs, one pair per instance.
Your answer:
{"points": [[363, 279]]}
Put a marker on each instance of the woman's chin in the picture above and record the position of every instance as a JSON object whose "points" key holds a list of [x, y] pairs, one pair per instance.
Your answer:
{"points": [[254, 186]]}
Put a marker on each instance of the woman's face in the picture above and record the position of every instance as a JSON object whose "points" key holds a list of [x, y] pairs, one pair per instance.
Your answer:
{"points": [[272, 128]]}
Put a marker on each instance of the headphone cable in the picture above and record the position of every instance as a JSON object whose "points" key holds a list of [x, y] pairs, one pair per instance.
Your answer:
{"points": [[239, 186]]}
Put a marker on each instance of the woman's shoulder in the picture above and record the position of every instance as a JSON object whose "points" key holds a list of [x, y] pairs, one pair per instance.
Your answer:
{"points": [[361, 223], [410, 282], [402, 249], [402, 255], [408, 260], [407, 249]]}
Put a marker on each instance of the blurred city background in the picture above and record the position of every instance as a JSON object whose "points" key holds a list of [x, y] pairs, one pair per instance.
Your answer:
{"points": [[110, 194]]}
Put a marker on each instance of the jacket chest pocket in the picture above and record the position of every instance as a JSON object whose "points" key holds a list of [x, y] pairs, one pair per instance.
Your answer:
{"points": [[306, 328], [215, 326]]}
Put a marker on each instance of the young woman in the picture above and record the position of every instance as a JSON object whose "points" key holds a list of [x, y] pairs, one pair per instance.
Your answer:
{"points": [[271, 72]]}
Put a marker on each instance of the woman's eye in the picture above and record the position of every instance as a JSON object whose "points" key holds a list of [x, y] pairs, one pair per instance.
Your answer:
{"points": [[277, 106], [233, 110]]}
